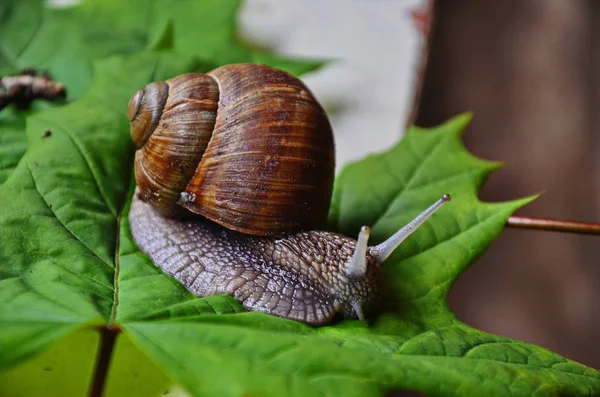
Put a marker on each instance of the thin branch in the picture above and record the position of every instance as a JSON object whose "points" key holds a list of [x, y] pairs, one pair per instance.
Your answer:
{"points": [[23, 88], [553, 225], [108, 336]]}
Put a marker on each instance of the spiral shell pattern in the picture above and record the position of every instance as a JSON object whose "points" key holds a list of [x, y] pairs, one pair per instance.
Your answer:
{"points": [[246, 146]]}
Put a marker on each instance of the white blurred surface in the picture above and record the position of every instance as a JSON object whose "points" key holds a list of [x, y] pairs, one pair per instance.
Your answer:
{"points": [[375, 48]]}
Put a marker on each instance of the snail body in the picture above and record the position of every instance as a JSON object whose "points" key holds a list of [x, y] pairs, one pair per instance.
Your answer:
{"points": [[260, 177], [297, 277]]}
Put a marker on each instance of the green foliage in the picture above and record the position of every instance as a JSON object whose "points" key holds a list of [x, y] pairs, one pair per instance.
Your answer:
{"points": [[66, 41], [68, 263]]}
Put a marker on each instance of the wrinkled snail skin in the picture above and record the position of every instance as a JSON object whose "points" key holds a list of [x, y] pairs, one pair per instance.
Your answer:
{"points": [[300, 276], [304, 276], [249, 151]]}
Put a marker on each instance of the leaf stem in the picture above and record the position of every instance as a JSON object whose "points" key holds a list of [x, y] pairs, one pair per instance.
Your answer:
{"points": [[108, 336], [554, 225]]}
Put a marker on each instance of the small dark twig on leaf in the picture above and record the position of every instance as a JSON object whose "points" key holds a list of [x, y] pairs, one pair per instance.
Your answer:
{"points": [[554, 225], [27, 86]]}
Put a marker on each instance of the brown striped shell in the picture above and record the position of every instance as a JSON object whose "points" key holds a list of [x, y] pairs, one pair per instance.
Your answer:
{"points": [[245, 145]]}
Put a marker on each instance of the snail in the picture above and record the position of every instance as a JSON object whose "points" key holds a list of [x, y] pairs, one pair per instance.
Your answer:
{"points": [[249, 151]]}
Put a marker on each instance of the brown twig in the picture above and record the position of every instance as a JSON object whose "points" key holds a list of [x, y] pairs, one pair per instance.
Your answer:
{"points": [[108, 336], [27, 86], [554, 225]]}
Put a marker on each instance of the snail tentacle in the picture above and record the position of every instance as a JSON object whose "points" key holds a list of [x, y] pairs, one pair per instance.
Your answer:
{"points": [[358, 265], [385, 249]]}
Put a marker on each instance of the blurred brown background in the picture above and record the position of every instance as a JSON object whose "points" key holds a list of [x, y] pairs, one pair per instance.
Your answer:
{"points": [[529, 70]]}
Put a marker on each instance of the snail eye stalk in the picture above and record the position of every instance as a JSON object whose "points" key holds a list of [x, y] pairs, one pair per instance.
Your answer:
{"points": [[357, 267], [382, 251]]}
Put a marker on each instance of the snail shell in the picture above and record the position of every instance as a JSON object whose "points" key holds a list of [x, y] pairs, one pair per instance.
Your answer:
{"points": [[246, 146]]}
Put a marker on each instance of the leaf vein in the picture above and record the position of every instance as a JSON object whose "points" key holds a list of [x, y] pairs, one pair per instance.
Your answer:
{"points": [[30, 40], [59, 221], [113, 311], [88, 163], [413, 174]]}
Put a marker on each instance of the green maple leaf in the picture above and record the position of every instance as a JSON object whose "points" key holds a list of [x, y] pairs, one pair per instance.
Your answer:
{"points": [[66, 41], [68, 264]]}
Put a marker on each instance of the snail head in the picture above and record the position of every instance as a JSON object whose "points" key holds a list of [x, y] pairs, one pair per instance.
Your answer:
{"points": [[365, 260]]}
